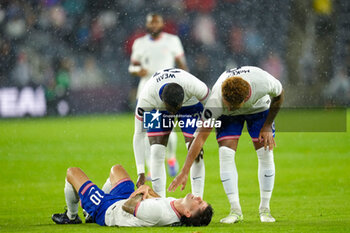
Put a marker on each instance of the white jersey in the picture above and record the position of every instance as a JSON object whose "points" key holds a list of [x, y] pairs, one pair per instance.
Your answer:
{"points": [[262, 86], [149, 212], [156, 54], [194, 89]]}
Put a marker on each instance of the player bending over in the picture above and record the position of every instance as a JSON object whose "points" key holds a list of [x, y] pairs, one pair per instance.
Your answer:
{"points": [[168, 93], [247, 94], [117, 204]]}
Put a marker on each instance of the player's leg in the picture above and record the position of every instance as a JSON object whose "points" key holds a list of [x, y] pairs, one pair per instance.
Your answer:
{"points": [[74, 180], [266, 167], [158, 174], [158, 136], [227, 137], [197, 172], [117, 175], [190, 115], [173, 166]]}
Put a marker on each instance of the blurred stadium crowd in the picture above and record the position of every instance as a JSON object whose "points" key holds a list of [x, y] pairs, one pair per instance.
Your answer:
{"points": [[72, 45]]}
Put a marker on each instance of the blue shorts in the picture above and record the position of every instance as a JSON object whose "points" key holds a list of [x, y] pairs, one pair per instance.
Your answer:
{"points": [[96, 202], [231, 126], [186, 114]]}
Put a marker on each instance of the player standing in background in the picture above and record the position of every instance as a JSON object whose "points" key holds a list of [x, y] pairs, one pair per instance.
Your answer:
{"points": [[241, 95], [168, 92], [155, 51]]}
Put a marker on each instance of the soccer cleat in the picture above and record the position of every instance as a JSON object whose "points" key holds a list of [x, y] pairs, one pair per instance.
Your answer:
{"points": [[63, 219], [173, 167], [233, 217], [265, 215]]}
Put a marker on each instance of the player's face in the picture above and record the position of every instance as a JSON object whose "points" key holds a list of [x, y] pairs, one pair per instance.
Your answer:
{"points": [[154, 24], [194, 204], [172, 109], [230, 106]]}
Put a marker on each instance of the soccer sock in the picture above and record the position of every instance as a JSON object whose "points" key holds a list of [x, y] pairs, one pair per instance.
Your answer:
{"points": [[197, 174], [229, 176], [158, 174], [72, 200], [266, 175], [107, 186], [172, 145]]}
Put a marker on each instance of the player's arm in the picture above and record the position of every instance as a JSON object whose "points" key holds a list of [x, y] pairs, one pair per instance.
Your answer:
{"points": [[138, 145], [136, 69], [146, 191], [142, 193], [181, 63], [130, 205], [179, 53], [193, 152], [266, 131]]}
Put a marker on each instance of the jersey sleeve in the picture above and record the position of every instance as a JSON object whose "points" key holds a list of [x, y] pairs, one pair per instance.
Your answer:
{"points": [[274, 85], [149, 210], [213, 109], [143, 106], [198, 89], [136, 51], [177, 47]]}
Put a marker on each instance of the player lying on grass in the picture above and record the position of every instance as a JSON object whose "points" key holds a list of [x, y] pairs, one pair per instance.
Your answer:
{"points": [[117, 204]]}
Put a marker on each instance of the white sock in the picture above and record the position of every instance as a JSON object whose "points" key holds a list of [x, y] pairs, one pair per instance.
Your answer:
{"points": [[229, 176], [158, 174], [107, 186], [197, 174], [72, 200], [266, 175], [172, 145]]}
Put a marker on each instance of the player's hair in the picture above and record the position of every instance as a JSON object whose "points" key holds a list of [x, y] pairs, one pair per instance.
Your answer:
{"points": [[235, 90], [200, 219], [173, 94]]}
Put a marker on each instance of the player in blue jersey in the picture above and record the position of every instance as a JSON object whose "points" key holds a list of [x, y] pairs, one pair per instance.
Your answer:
{"points": [[118, 204]]}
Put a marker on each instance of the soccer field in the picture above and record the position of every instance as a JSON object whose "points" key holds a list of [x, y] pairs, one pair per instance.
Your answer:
{"points": [[312, 187]]}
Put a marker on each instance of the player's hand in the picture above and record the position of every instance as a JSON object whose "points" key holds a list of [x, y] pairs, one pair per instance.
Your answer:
{"points": [[266, 137], [141, 180], [180, 179], [142, 73], [144, 190]]}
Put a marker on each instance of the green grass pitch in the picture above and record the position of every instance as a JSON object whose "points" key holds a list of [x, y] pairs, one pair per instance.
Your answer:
{"points": [[312, 187]]}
